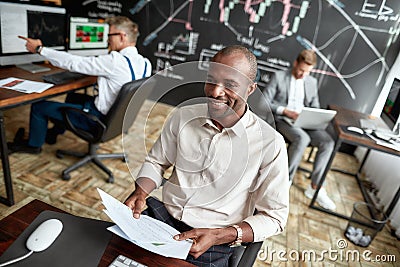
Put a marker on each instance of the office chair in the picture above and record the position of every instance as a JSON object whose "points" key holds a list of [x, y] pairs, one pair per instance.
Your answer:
{"points": [[119, 119], [245, 255], [260, 106]]}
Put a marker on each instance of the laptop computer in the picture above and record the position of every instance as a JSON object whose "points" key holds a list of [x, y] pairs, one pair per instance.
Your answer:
{"points": [[312, 118]]}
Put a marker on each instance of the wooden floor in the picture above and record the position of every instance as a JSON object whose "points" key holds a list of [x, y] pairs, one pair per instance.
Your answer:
{"points": [[308, 231]]}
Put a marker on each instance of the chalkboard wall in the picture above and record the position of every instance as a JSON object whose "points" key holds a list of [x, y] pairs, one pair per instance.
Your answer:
{"points": [[356, 40]]}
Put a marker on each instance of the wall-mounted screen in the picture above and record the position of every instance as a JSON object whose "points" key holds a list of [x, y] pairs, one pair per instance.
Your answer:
{"points": [[47, 23]]}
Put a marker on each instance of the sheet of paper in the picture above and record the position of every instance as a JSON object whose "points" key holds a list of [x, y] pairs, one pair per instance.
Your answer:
{"points": [[393, 144], [146, 232], [174, 250], [24, 86]]}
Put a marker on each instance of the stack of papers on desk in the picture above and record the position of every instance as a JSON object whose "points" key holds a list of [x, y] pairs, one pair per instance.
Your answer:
{"points": [[146, 232], [24, 86], [393, 143]]}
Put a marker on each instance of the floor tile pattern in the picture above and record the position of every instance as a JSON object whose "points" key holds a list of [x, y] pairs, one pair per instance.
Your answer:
{"points": [[308, 231]]}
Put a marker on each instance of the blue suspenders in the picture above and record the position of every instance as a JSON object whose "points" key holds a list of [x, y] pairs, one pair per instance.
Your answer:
{"points": [[89, 105], [133, 73]]}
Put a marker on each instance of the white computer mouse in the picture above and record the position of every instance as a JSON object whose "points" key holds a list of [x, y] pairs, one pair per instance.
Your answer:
{"points": [[44, 235], [355, 129]]}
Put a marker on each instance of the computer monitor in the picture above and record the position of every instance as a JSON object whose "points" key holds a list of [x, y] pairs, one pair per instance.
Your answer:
{"points": [[87, 36], [47, 23], [391, 110]]}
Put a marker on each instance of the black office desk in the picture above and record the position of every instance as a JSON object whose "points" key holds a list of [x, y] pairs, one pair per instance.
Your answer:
{"points": [[10, 99], [14, 224], [344, 118]]}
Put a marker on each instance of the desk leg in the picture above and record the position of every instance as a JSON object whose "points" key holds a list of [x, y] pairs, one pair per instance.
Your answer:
{"points": [[6, 165], [396, 197], [312, 205], [338, 143], [327, 168], [364, 192], [393, 203]]}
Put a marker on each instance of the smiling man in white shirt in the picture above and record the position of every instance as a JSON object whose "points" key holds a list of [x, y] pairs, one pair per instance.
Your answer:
{"points": [[121, 65], [227, 163]]}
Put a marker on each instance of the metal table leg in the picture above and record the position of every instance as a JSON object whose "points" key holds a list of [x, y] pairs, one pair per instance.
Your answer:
{"points": [[9, 200], [328, 166], [393, 203]]}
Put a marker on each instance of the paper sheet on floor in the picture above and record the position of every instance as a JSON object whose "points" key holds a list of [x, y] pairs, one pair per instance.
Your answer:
{"points": [[24, 86], [146, 232]]}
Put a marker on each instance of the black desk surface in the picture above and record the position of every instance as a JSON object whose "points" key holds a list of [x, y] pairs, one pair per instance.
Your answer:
{"points": [[13, 225]]}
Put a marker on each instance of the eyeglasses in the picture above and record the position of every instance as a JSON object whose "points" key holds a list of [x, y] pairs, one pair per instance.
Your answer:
{"points": [[117, 33]]}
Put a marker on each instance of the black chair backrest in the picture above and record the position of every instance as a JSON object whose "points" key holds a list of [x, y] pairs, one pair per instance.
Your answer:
{"points": [[245, 256], [126, 106]]}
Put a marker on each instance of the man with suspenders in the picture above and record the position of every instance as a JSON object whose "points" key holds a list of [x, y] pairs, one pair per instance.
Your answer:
{"points": [[121, 65]]}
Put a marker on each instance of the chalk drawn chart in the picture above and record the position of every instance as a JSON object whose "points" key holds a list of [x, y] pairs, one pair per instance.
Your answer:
{"points": [[356, 40]]}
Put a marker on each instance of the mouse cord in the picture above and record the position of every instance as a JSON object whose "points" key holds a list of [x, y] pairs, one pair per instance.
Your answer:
{"points": [[17, 259]]}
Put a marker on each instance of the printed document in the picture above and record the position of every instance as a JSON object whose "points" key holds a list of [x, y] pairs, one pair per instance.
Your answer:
{"points": [[146, 232], [24, 86], [393, 143]]}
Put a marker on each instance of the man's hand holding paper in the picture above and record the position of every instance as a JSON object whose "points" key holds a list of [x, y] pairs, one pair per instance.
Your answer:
{"points": [[145, 232]]}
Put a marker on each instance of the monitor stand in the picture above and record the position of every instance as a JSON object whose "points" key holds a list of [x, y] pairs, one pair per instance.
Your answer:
{"points": [[396, 128], [33, 68]]}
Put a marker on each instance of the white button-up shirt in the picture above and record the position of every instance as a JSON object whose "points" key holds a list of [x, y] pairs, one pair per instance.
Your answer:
{"points": [[295, 96], [112, 70], [220, 177]]}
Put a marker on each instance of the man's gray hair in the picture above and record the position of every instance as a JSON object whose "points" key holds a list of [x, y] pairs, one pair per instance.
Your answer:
{"points": [[125, 24]]}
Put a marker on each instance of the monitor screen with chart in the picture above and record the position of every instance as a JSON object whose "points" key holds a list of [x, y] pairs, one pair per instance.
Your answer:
{"points": [[87, 36], [391, 110], [47, 23]]}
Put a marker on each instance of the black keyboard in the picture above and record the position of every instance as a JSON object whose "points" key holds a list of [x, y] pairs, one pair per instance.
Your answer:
{"points": [[62, 77]]}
